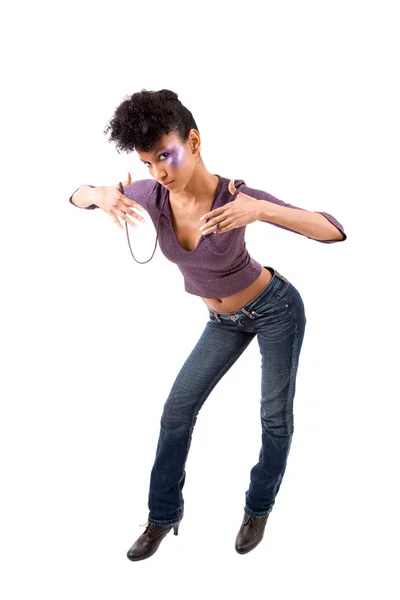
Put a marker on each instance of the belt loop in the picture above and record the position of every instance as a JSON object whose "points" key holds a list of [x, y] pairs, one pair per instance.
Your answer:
{"points": [[281, 276], [246, 312]]}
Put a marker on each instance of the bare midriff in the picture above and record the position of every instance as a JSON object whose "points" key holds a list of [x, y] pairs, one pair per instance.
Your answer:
{"points": [[240, 299]]}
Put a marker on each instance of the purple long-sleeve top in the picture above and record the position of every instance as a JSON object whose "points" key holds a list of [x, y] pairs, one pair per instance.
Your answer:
{"points": [[219, 266]]}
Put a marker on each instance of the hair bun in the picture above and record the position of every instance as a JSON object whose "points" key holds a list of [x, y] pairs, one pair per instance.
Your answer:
{"points": [[168, 95]]}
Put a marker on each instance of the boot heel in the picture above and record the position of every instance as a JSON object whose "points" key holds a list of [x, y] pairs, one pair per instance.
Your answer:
{"points": [[176, 527]]}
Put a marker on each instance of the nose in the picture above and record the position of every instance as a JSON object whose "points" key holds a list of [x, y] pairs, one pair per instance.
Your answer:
{"points": [[161, 175]]}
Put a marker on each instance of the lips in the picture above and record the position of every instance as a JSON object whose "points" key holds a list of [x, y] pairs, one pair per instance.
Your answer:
{"points": [[169, 183]]}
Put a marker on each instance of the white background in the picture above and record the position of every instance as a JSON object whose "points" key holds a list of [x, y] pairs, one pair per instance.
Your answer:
{"points": [[299, 99]]}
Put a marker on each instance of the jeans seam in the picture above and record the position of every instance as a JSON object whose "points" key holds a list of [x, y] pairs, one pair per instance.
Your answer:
{"points": [[214, 382], [282, 292], [291, 396], [296, 325], [218, 377], [162, 523], [293, 368], [292, 376]]}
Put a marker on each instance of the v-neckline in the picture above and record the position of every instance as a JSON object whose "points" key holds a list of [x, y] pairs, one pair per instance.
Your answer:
{"points": [[201, 236]]}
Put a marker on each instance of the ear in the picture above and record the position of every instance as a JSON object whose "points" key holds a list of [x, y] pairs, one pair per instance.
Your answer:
{"points": [[231, 186]]}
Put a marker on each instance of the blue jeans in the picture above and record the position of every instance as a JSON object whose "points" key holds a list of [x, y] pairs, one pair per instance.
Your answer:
{"points": [[276, 316]]}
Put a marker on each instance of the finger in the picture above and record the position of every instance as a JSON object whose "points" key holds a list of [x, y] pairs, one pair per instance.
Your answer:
{"points": [[131, 223], [125, 217], [124, 183], [117, 222], [209, 225], [128, 181], [219, 230], [130, 211], [133, 214], [217, 219], [210, 229], [213, 213], [231, 186], [122, 216], [223, 225], [207, 231], [128, 202]]}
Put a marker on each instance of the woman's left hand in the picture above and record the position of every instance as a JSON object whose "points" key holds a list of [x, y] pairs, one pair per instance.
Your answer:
{"points": [[242, 211]]}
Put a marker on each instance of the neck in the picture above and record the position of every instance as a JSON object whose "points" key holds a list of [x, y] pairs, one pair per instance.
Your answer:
{"points": [[201, 186]]}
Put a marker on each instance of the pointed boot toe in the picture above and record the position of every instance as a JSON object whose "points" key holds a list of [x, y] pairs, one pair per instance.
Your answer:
{"points": [[250, 534], [147, 544]]}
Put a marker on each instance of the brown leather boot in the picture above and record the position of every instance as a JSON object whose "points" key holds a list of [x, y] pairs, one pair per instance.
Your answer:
{"points": [[250, 533], [147, 544]]}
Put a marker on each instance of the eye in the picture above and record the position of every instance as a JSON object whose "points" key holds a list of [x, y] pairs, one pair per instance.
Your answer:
{"points": [[147, 163]]}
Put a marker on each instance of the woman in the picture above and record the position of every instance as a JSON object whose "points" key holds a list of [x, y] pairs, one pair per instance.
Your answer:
{"points": [[201, 220]]}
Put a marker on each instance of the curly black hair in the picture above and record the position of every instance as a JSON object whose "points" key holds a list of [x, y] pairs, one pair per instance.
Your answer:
{"points": [[142, 119]]}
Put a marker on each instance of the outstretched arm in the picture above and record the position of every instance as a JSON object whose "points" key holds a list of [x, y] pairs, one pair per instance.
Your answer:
{"points": [[249, 205], [116, 203], [320, 226], [83, 198]]}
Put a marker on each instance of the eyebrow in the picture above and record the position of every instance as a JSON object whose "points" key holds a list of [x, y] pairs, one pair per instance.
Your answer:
{"points": [[161, 151]]}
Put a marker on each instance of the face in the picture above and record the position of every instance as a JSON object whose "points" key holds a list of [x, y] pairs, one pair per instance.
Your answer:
{"points": [[171, 160]]}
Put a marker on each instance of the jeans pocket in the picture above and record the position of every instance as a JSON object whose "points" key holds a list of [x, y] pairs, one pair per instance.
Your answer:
{"points": [[274, 306]]}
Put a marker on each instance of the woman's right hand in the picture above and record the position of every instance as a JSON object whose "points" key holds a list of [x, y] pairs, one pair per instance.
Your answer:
{"points": [[118, 206]]}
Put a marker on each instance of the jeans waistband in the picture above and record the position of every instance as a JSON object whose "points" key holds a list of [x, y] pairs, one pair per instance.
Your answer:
{"points": [[270, 288]]}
